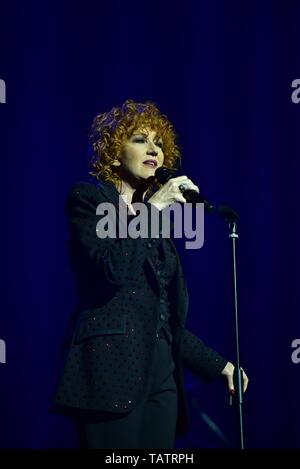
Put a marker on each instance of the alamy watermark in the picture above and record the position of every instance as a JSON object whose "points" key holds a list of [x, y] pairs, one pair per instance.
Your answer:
{"points": [[2, 351], [151, 222], [295, 96], [296, 353], [2, 92]]}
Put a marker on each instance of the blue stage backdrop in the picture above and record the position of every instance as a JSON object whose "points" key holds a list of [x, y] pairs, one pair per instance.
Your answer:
{"points": [[222, 72]]}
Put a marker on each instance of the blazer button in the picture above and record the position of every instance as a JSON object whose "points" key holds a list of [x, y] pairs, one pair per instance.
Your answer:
{"points": [[162, 317], [149, 245]]}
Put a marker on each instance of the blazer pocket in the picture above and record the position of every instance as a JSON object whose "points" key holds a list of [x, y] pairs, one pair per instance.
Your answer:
{"points": [[99, 324]]}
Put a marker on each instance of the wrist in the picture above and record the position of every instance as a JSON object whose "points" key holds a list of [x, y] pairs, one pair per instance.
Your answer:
{"points": [[228, 369], [156, 204]]}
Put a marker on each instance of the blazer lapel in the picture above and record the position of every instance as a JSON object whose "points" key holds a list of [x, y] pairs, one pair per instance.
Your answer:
{"points": [[181, 299]]}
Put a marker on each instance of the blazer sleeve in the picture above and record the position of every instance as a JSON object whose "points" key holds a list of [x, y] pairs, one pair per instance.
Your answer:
{"points": [[200, 359], [120, 257]]}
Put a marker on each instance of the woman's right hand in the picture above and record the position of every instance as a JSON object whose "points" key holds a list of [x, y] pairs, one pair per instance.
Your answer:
{"points": [[170, 193]]}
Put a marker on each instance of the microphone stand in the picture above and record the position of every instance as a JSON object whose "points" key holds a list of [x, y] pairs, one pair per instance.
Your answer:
{"points": [[231, 217], [163, 174]]}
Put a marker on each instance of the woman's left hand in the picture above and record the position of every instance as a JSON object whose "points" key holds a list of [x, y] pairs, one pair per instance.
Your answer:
{"points": [[228, 373]]}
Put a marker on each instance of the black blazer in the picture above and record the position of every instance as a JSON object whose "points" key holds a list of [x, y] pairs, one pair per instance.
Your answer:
{"points": [[111, 350]]}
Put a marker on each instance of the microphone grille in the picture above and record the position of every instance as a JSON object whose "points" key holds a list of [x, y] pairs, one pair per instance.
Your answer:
{"points": [[163, 174]]}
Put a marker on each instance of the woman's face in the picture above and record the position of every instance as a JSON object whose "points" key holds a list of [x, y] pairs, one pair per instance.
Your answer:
{"points": [[142, 155]]}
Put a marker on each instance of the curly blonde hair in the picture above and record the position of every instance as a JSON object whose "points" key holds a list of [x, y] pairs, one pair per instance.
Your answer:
{"points": [[111, 129]]}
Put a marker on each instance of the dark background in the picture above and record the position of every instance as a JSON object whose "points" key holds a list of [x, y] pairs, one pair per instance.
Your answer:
{"points": [[222, 73]]}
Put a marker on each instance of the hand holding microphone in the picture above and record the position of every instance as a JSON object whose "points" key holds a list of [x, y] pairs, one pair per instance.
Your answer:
{"points": [[176, 189], [172, 191]]}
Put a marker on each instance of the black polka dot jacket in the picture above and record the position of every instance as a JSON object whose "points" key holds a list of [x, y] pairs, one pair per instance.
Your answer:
{"points": [[108, 359]]}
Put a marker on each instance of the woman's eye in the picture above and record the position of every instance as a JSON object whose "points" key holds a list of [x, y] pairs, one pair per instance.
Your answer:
{"points": [[143, 140]]}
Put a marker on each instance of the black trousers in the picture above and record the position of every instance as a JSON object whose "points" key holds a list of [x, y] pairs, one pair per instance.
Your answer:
{"points": [[152, 423]]}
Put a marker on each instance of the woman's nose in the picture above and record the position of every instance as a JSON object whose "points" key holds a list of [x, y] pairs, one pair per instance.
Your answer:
{"points": [[151, 149], [152, 152]]}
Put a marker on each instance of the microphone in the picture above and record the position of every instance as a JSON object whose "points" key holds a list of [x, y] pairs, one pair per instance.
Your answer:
{"points": [[164, 174]]}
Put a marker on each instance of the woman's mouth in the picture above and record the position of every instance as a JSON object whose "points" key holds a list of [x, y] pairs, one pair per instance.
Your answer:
{"points": [[151, 163]]}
